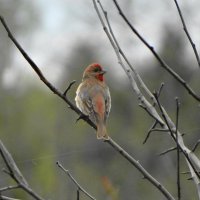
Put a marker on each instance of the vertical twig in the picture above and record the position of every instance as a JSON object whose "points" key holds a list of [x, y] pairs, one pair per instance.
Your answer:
{"points": [[178, 152], [78, 194], [164, 115]]}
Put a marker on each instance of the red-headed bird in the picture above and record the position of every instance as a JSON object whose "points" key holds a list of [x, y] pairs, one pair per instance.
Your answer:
{"points": [[93, 98]]}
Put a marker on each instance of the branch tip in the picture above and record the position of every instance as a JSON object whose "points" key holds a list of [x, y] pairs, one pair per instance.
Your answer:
{"points": [[69, 87]]}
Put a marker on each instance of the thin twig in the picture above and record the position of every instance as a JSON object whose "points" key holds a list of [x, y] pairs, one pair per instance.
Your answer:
{"points": [[13, 170], [9, 188], [160, 89], [7, 198], [167, 151], [79, 187], [159, 59], [174, 138], [178, 152], [195, 146], [187, 33], [149, 132], [77, 194], [69, 87], [15, 173], [187, 172]]}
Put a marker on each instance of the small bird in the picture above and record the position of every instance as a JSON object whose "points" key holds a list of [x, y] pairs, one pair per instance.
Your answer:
{"points": [[93, 98]]}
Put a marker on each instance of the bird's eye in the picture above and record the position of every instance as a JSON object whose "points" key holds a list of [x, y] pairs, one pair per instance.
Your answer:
{"points": [[96, 70]]}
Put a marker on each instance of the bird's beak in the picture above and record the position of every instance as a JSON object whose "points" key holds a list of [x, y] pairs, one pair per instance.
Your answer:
{"points": [[103, 72]]}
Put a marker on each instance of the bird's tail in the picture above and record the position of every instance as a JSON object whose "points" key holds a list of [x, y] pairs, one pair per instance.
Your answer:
{"points": [[102, 132]]}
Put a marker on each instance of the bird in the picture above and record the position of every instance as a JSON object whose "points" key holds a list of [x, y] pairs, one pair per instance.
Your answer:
{"points": [[93, 98]]}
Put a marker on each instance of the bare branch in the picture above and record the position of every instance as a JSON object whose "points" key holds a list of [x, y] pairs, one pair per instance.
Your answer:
{"points": [[187, 33], [41, 76], [7, 198], [148, 107], [79, 187], [178, 152], [195, 146], [78, 195], [165, 117], [138, 166], [15, 173], [195, 179], [159, 59], [69, 87], [149, 132], [9, 188], [138, 78], [160, 89], [167, 151]]}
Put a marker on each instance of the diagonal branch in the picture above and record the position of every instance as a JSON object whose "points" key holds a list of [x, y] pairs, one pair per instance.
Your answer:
{"points": [[167, 151], [41, 76], [159, 59], [80, 188], [15, 173], [187, 33]]}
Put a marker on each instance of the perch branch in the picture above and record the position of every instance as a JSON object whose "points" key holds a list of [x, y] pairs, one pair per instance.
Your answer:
{"points": [[39, 73], [79, 187]]}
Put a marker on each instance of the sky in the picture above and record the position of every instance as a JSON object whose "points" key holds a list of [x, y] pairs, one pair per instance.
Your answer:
{"points": [[64, 23]]}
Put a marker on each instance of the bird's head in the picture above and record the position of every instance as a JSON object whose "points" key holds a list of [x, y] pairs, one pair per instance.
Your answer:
{"points": [[94, 71]]}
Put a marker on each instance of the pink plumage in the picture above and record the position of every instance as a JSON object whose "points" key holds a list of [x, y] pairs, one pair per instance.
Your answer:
{"points": [[93, 98]]}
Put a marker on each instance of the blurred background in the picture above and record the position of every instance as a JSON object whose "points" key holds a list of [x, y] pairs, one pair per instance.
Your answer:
{"points": [[63, 37]]}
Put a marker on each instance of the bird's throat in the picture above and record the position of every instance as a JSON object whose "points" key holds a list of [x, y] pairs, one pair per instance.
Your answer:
{"points": [[100, 77]]}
